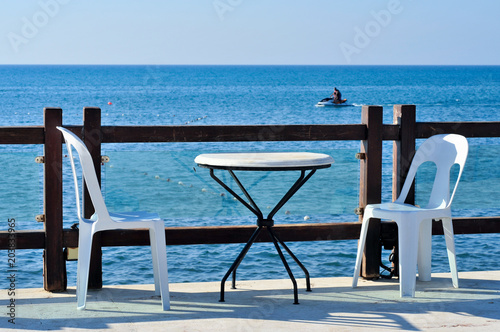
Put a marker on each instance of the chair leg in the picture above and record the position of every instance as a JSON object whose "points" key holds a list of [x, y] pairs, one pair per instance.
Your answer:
{"points": [[424, 260], [408, 252], [361, 247], [84, 251], [160, 262], [450, 248], [154, 254]]}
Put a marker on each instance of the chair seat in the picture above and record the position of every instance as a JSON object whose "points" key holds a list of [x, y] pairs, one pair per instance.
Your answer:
{"points": [[392, 207], [393, 210], [134, 216], [141, 216]]}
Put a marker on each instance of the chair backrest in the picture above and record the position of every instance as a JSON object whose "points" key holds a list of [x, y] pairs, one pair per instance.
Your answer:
{"points": [[445, 151], [89, 176]]}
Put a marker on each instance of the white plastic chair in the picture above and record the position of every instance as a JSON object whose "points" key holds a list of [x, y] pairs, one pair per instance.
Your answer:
{"points": [[414, 223], [103, 220]]}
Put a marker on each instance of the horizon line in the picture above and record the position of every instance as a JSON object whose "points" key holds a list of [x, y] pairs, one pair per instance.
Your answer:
{"points": [[208, 64]]}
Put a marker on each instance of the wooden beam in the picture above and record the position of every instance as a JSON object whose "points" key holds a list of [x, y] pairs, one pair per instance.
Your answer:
{"points": [[26, 239], [22, 135], [370, 191], [92, 138], [54, 265], [227, 234], [391, 132], [128, 134], [467, 129], [403, 150]]}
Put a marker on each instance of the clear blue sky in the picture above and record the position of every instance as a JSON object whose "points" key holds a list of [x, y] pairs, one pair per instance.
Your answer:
{"points": [[250, 32]]}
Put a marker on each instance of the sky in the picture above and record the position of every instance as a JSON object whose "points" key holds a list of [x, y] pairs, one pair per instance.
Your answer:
{"points": [[262, 32]]}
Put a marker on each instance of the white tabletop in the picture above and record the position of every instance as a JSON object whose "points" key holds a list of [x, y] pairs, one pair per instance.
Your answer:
{"points": [[264, 160]]}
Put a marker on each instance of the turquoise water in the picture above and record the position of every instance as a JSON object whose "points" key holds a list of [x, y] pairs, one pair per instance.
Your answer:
{"points": [[163, 177]]}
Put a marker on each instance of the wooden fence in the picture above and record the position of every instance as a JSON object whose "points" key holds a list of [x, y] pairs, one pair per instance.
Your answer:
{"points": [[371, 132]]}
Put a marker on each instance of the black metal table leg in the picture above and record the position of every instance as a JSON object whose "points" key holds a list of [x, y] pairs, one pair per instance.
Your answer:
{"points": [[287, 267], [308, 279], [295, 187], [238, 260], [252, 206]]}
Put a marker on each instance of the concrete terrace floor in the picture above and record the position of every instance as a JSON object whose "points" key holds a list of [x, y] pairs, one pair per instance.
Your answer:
{"points": [[264, 305]]}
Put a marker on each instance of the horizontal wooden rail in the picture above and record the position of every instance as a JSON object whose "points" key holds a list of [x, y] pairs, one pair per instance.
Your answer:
{"points": [[467, 129], [22, 135], [228, 133], [232, 133], [240, 234]]}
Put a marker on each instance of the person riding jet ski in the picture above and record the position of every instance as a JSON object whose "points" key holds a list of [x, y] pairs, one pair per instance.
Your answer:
{"points": [[335, 99], [337, 96]]}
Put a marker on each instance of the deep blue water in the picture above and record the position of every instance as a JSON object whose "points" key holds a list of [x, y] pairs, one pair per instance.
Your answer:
{"points": [[164, 178]]}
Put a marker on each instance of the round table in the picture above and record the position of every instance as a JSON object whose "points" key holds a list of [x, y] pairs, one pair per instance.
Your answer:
{"points": [[265, 161]]}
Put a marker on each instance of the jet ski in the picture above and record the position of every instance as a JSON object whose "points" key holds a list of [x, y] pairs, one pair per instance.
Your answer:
{"points": [[330, 102]]}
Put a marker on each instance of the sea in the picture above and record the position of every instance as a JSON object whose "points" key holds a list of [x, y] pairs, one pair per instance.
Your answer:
{"points": [[163, 178]]}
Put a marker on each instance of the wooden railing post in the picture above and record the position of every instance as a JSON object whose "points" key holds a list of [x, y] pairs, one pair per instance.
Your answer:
{"points": [[403, 150], [54, 264], [370, 190], [92, 137]]}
